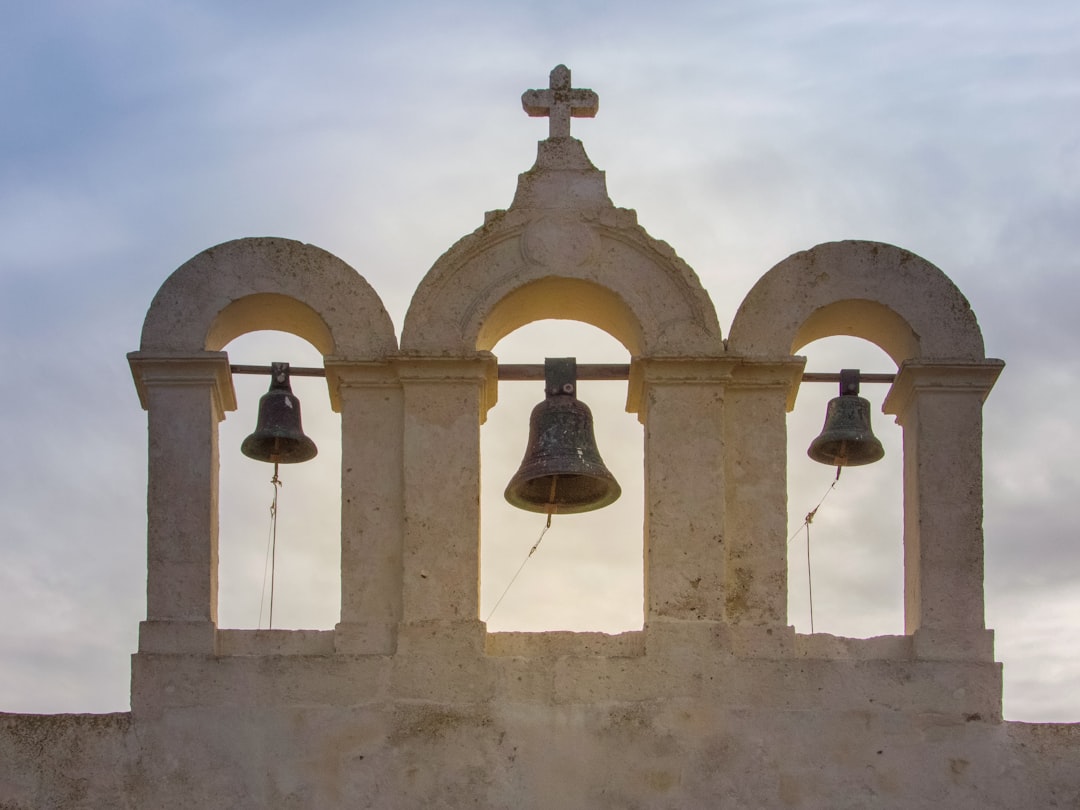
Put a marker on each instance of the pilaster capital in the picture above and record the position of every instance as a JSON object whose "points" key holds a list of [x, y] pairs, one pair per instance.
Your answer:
{"points": [[918, 377], [343, 374], [770, 372], [647, 371], [210, 369], [481, 369]]}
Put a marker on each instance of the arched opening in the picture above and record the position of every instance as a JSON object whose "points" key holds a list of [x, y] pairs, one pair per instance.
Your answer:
{"points": [[307, 576], [587, 573], [856, 555]]}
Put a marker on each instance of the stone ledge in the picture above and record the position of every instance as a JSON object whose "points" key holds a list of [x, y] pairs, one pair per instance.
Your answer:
{"points": [[253, 643], [365, 638], [948, 689], [557, 644], [829, 647]]}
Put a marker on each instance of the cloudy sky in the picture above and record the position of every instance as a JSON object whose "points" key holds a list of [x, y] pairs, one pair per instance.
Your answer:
{"points": [[133, 135]]}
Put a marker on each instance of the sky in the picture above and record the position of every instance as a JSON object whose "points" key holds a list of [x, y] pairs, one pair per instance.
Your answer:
{"points": [[134, 135]]}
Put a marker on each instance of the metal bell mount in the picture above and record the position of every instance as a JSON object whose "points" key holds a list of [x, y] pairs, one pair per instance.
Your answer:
{"points": [[847, 440], [562, 472], [279, 436]]}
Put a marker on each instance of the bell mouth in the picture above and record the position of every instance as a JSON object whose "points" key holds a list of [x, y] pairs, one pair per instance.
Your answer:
{"points": [[846, 452], [279, 449], [574, 493]]}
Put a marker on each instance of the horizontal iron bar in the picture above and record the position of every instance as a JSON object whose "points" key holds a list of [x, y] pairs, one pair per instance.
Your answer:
{"points": [[294, 371], [585, 371], [827, 376]]}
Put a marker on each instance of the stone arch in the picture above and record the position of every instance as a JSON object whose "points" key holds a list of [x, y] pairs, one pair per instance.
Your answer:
{"points": [[911, 310], [565, 299], [872, 290], [613, 276], [268, 283], [599, 267], [185, 384]]}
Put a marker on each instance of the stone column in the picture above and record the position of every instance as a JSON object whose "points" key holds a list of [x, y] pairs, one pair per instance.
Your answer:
{"points": [[185, 396], [445, 400], [759, 395], [368, 397], [939, 406], [681, 402]]}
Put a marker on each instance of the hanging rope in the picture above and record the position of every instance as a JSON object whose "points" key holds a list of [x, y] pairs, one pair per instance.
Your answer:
{"points": [[806, 525], [271, 552], [809, 579], [536, 545], [810, 515]]}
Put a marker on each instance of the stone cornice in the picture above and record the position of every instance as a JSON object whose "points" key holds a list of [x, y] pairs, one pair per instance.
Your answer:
{"points": [[646, 371], [206, 368], [942, 376], [770, 372], [481, 368], [342, 373]]}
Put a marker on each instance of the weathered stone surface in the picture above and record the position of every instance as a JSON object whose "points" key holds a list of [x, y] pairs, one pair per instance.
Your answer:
{"points": [[676, 753]]}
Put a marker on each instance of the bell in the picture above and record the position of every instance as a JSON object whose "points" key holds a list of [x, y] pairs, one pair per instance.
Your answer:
{"points": [[846, 440], [562, 472], [278, 436]]}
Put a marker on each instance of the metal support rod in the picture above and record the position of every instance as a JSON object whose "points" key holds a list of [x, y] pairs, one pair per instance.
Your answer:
{"points": [[585, 371], [294, 371], [825, 376]]}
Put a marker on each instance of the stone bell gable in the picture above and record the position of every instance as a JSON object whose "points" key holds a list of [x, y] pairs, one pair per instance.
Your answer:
{"points": [[409, 702], [912, 311]]}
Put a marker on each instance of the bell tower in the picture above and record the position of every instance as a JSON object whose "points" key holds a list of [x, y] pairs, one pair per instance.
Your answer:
{"points": [[410, 702]]}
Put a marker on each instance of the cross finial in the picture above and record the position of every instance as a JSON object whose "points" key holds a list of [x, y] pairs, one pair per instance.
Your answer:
{"points": [[560, 102]]}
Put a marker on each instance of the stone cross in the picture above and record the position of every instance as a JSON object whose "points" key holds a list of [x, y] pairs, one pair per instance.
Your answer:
{"points": [[559, 103]]}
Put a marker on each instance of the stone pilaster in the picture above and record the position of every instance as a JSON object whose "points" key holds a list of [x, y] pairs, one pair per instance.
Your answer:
{"points": [[445, 400], [681, 403], [759, 395], [368, 396], [185, 397], [939, 406]]}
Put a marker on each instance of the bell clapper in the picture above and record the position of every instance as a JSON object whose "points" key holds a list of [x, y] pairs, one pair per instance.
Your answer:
{"points": [[551, 507]]}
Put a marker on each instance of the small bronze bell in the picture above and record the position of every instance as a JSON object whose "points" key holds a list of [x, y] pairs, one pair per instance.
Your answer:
{"points": [[562, 472], [278, 436], [846, 440]]}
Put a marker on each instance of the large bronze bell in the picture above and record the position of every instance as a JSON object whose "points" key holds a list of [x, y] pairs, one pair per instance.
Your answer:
{"points": [[278, 436], [846, 440], [562, 472]]}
